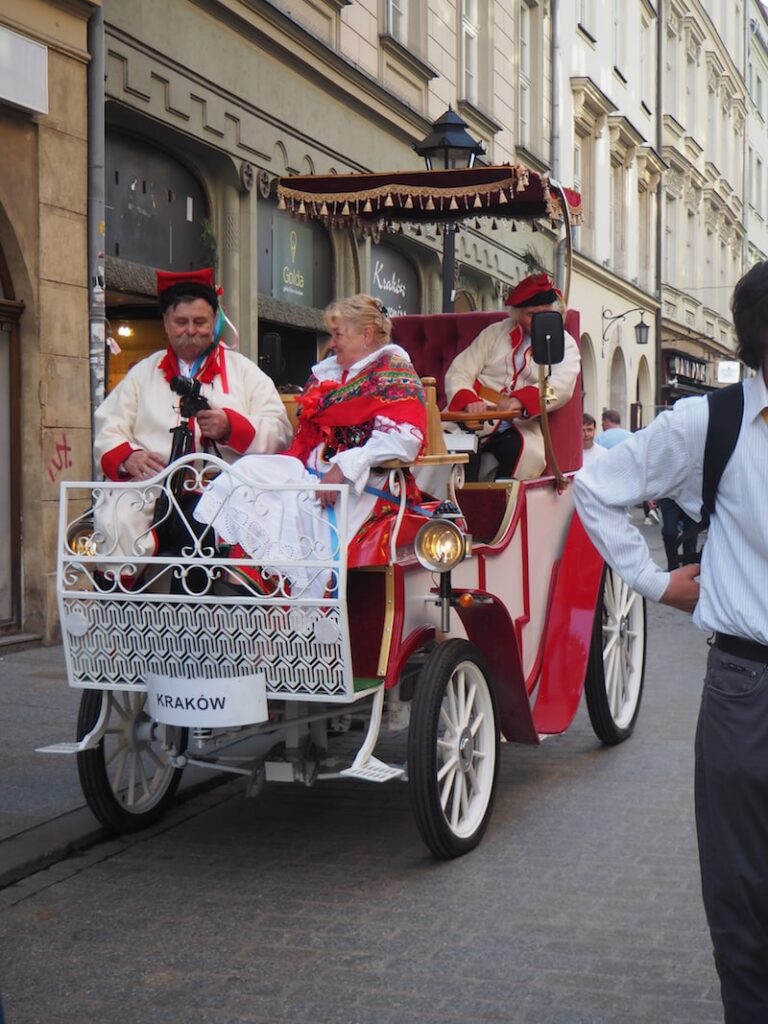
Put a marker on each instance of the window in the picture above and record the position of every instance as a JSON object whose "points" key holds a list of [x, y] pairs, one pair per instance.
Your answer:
{"points": [[524, 82], [617, 36], [646, 63], [397, 19], [670, 237], [671, 73], [759, 95], [690, 96], [690, 249], [758, 203], [618, 211], [470, 31], [584, 15]]}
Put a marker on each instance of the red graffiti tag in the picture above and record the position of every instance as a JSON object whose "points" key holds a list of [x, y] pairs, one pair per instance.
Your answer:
{"points": [[61, 459]]}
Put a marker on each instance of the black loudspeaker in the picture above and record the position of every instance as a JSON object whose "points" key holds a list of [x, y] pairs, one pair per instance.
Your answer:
{"points": [[271, 354], [547, 338]]}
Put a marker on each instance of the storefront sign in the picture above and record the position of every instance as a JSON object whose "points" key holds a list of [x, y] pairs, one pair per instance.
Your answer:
{"points": [[23, 72], [292, 262], [728, 371], [394, 281], [687, 367]]}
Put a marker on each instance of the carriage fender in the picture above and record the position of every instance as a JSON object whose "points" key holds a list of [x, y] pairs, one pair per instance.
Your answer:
{"points": [[491, 630], [568, 632]]}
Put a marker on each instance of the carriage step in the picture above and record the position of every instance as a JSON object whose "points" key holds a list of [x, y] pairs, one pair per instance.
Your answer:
{"points": [[374, 770], [61, 748]]}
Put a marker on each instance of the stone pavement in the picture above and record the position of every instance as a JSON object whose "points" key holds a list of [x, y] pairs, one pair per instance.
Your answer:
{"points": [[43, 814]]}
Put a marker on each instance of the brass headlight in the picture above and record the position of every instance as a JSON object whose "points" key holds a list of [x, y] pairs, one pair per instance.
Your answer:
{"points": [[440, 545]]}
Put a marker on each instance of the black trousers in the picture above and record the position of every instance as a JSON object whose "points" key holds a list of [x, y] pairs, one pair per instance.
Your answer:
{"points": [[505, 446], [731, 788], [674, 522]]}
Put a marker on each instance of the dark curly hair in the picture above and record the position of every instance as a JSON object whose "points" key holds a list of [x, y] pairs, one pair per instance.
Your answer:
{"points": [[750, 315]]}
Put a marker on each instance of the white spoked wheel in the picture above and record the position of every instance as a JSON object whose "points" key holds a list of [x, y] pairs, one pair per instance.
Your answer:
{"points": [[453, 749], [129, 779], [616, 667]]}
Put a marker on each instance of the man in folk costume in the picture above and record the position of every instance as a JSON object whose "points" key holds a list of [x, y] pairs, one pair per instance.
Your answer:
{"points": [[133, 425], [497, 371]]}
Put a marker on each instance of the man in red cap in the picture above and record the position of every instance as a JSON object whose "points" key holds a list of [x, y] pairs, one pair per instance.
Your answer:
{"points": [[133, 424], [497, 372]]}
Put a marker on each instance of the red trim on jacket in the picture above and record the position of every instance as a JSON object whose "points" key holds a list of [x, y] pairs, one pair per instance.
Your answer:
{"points": [[462, 399], [241, 431], [112, 460], [528, 397]]}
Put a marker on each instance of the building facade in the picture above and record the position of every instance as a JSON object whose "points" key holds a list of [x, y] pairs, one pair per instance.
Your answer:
{"points": [[44, 380], [609, 150], [209, 103]]}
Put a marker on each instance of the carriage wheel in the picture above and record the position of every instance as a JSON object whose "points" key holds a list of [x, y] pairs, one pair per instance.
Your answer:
{"points": [[616, 666], [128, 779], [453, 749]]}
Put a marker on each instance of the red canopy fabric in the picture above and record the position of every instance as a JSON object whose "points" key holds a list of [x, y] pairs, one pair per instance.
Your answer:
{"points": [[418, 197]]}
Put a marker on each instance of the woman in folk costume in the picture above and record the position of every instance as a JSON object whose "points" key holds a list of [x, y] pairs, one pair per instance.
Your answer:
{"points": [[362, 406], [497, 371], [132, 437]]}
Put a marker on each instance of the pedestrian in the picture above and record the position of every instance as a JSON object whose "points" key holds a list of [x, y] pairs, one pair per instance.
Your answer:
{"points": [[132, 426], [676, 527], [727, 595], [497, 371], [591, 450], [613, 432]]}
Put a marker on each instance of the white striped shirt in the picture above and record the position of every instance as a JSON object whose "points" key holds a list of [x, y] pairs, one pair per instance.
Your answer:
{"points": [[666, 460]]}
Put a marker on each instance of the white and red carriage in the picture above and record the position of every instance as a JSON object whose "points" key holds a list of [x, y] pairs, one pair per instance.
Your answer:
{"points": [[460, 624]]}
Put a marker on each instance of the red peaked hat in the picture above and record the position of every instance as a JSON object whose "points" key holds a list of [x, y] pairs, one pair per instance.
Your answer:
{"points": [[173, 285], [535, 290]]}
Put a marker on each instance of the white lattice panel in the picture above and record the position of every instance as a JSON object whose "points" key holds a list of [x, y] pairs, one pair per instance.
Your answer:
{"points": [[116, 632]]}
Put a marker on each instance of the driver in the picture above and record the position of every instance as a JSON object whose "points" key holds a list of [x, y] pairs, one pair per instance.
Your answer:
{"points": [[496, 371]]}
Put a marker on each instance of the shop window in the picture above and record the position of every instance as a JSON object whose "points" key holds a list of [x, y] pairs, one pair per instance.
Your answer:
{"points": [[157, 211]]}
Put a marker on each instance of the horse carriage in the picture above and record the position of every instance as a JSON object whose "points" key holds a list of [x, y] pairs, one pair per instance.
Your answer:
{"points": [[485, 612]]}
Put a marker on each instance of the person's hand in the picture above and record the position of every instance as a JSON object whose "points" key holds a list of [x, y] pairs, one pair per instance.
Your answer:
{"points": [[509, 404], [683, 590], [333, 476], [213, 423], [141, 465], [476, 407]]}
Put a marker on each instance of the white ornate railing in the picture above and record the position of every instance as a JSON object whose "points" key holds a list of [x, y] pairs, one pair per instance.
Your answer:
{"points": [[126, 612]]}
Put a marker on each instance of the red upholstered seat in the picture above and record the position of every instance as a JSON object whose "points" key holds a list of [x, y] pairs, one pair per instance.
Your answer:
{"points": [[433, 341]]}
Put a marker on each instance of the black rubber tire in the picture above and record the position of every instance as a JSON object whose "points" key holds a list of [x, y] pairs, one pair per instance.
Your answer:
{"points": [[452, 663], [613, 725], [117, 811]]}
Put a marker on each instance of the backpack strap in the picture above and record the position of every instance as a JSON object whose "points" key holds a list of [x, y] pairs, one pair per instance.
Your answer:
{"points": [[726, 410]]}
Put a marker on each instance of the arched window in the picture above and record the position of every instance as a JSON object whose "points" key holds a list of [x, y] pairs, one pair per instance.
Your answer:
{"points": [[157, 210], [589, 376]]}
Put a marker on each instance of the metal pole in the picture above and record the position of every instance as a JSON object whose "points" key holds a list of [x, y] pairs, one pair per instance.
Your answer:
{"points": [[449, 266], [96, 231]]}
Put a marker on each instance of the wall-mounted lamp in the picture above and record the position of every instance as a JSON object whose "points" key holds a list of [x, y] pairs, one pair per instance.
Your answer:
{"points": [[642, 329], [125, 331]]}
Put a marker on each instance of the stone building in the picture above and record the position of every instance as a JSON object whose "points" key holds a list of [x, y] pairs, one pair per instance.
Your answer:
{"points": [[208, 103], [44, 379]]}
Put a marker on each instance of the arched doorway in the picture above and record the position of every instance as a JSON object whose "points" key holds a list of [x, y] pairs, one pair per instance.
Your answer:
{"points": [[589, 377], [642, 409], [10, 468], [617, 385]]}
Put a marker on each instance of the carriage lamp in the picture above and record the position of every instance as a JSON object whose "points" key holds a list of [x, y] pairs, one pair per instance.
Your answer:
{"points": [[440, 545]]}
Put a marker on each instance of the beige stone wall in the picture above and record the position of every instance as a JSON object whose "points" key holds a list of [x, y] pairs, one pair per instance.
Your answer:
{"points": [[43, 231]]}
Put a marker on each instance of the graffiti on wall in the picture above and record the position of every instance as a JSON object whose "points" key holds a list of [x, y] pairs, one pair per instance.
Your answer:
{"points": [[61, 459]]}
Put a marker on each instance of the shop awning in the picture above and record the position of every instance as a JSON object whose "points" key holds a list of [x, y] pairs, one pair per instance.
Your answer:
{"points": [[383, 200]]}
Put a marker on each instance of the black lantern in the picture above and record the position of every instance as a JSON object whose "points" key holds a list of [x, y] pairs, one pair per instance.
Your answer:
{"points": [[447, 147], [642, 329]]}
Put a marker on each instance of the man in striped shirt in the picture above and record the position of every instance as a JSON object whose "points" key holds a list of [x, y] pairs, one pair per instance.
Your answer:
{"points": [[728, 595]]}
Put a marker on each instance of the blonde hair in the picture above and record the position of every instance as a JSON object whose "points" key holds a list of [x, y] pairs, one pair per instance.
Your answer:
{"points": [[361, 311]]}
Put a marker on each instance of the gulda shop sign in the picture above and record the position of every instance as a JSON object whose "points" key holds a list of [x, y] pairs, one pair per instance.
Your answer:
{"points": [[292, 263]]}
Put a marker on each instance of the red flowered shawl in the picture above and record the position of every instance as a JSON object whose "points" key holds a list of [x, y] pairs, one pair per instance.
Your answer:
{"points": [[388, 387]]}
